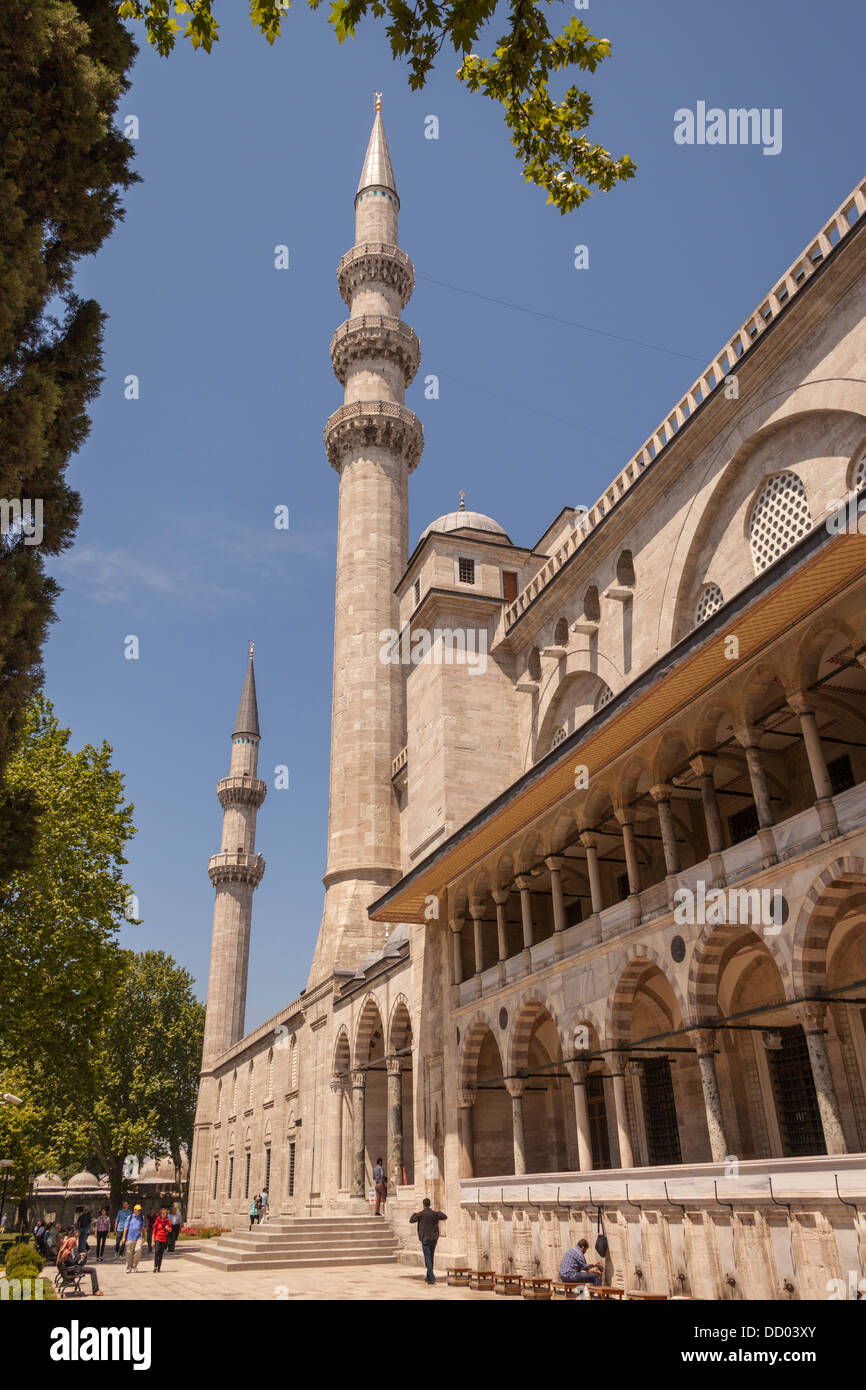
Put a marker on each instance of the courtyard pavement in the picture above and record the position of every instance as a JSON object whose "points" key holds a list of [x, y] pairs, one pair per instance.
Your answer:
{"points": [[182, 1278]]}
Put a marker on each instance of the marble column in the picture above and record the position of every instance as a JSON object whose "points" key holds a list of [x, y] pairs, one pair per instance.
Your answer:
{"points": [[338, 1092], [522, 883], [702, 766], [804, 709], [813, 1017], [456, 925], [359, 1097], [617, 1062], [555, 865], [588, 840], [625, 816], [704, 1042], [661, 795], [476, 912], [579, 1072], [515, 1090], [394, 1160], [465, 1102], [634, 1068], [500, 898]]}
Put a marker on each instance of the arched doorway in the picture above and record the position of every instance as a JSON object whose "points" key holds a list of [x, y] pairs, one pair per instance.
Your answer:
{"points": [[370, 1060]]}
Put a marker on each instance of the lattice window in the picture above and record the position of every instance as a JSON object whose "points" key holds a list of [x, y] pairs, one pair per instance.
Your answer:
{"points": [[250, 1086], [235, 1093], [294, 1068], [270, 1073], [605, 696], [709, 602], [466, 571], [859, 479], [417, 592], [559, 737], [780, 517]]}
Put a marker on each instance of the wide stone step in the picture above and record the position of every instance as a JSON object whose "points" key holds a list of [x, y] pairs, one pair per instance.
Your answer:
{"points": [[229, 1264], [302, 1251], [238, 1251]]}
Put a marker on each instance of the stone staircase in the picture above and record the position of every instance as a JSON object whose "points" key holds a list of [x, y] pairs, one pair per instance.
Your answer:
{"points": [[285, 1242]]}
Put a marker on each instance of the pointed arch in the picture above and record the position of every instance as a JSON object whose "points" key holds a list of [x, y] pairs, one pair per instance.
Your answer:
{"points": [[841, 884], [627, 980]]}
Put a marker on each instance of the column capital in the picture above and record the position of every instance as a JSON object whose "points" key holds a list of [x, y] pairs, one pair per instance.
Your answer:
{"points": [[617, 1062], [456, 924], [578, 1071], [589, 839], [702, 764], [812, 1015], [634, 1066], [624, 814], [703, 1040], [514, 1085], [394, 1066], [466, 1097], [522, 882], [555, 862], [800, 702], [500, 896], [662, 791], [747, 735], [337, 1084], [359, 1079], [476, 910]]}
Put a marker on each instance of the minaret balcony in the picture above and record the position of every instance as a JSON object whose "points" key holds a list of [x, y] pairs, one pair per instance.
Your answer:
{"points": [[382, 424], [376, 262], [241, 791], [236, 867], [371, 336]]}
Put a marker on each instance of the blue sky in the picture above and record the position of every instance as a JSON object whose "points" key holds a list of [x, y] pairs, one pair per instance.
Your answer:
{"points": [[252, 147]]}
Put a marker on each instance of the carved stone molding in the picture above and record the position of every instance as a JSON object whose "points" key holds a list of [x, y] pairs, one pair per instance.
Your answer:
{"points": [[382, 424], [375, 336], [241, 791], [376, 261], [236, 868]]}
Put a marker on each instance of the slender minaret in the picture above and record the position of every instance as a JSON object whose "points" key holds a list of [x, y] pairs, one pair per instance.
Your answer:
{"points": [[374, 443], [235, 872]]}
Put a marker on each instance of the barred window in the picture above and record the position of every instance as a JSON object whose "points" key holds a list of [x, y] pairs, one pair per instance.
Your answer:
{"points": [[417, 592], [780, 517], [250, 1095], [559, 737], [235, 1093], [709, 602], [466, 571], [859, 479], [270, 1073], [294, 1067], [605, 696]]}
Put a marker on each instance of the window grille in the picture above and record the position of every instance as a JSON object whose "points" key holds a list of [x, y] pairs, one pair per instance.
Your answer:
{"points": [[291, 1170], [841, 774], [466, 571], [780, 517], [660, 1111], [247, 1175], [709, 602], [796, 1101]]}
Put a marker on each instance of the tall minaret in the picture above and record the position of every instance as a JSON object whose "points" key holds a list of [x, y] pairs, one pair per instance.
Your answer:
{"points": [[374, 443], [235, 872]]}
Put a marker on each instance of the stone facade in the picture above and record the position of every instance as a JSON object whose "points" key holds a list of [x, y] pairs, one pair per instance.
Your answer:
{"points": [[593, 944]]}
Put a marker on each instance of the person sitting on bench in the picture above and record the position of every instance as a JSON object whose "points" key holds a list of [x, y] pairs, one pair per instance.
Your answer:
{"points": [[71, 1268], [574, 1268]]}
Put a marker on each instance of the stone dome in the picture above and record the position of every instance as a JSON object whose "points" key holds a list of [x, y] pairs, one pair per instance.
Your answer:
{"points": [[47, 1180], [454, 521], [83, 1179]]}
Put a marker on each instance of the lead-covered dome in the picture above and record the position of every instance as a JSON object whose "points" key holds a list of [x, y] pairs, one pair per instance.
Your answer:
{"points": [[456, 521]]}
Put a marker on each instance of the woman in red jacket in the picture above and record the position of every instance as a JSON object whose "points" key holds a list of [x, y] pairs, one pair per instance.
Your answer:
{"points": [[161, 1234]]}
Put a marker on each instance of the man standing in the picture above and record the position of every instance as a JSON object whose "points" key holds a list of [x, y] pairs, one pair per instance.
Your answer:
{"points": [[133, 1240], [264, 1202], [83, 1223], [574, 1268], [120, 1225], [381, 1184], [427, 1222]]}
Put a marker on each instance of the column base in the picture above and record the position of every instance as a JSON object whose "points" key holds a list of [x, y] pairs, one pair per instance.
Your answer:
{"points": [[593, 925], [672, 883], [634, 909], [717, 864], [502, 972], [558, 946], [827, 818], [769, 853]]}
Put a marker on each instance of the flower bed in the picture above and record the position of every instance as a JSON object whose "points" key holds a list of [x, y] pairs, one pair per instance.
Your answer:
{"points": [[202, 1232]]}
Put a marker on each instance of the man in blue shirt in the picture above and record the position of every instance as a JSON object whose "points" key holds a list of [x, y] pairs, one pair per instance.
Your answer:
{"points": [[119, 1227], [132, 1239], [574, 1268]]}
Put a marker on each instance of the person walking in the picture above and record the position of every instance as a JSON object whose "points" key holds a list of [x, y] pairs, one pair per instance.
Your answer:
{"points": [[255, 1212], [161, 1237], [133, 1240], [103, 1225], [83, 1223], [381, 1184], [151, 1217], [427, 1222], [120, 1223], [176, 1221]]}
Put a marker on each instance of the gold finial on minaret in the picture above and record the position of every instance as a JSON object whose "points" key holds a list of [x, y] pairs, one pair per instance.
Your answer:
{"points": [[462, 501], [378, 101], [252, 649]]}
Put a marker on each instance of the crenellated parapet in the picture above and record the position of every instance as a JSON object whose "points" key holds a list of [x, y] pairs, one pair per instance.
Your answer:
{"points": [[383, 424], [236, 868], [376, 262], [379, 337], [241, 791]]}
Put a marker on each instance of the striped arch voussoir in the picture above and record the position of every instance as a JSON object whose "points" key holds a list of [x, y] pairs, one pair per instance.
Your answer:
{"points": [[835, 888], [526, 1015], [621, 998]]}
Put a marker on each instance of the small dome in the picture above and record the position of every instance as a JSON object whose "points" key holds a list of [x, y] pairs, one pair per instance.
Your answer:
{"points": [[47, 1180], [83, 1179], [454, 521]]}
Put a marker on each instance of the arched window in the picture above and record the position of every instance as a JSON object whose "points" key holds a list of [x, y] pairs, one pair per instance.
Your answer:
{"points": [[219, 1098], [250, 1096], [560, 635], [604, 696], [625, 570], [780, 517], [559, 737], [234, 1093], [859, 478], [591, 605], [535, 664], [270, 1073], [294, 1065], [710, 600]]}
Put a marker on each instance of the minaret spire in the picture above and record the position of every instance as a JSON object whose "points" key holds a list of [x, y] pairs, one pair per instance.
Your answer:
{"points": [[236, 871], [374, 442]]}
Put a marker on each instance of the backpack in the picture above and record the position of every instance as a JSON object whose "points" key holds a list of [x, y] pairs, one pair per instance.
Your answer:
{"points": [[601, 1239]]}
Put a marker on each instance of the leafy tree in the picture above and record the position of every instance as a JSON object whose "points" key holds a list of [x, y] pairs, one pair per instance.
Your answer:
{"points": [[548, 135], [143, 1077], [60, 915], [63, 66]]}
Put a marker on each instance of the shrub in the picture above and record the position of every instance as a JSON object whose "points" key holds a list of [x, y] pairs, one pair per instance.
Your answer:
{"points": [[21, 1260], [14, 1242], [202, 1232], [27, 1288]]}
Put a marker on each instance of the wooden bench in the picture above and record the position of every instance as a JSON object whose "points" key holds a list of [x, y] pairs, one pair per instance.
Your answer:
{"points": [[537, 1288], [458, 1278], [482, 1280], [508, 1284], [605, 1291], [644, 1295], [561, 1290]]}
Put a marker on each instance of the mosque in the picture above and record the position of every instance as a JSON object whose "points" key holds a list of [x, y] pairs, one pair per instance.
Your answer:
{"points": [[659, 702]]}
